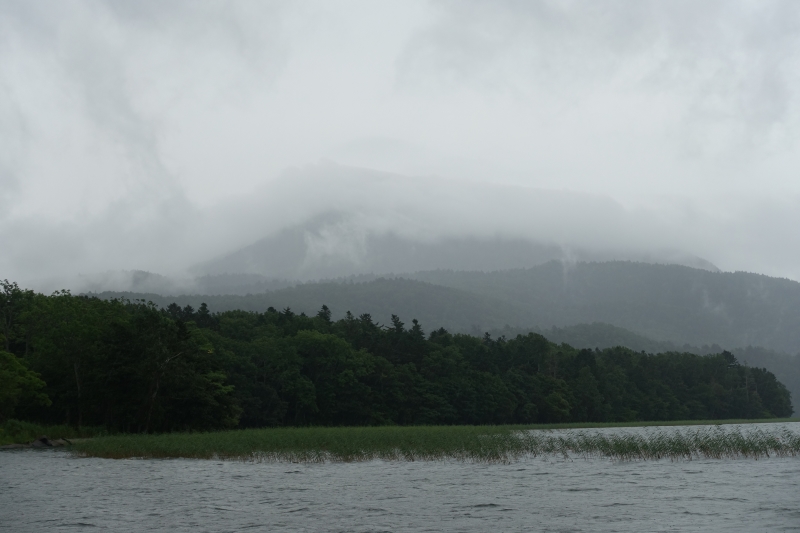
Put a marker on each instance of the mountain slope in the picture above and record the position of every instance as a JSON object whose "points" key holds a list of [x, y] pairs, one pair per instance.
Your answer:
{"points": [[663, 302], [340, 244], [666, 303], [434, 306]]}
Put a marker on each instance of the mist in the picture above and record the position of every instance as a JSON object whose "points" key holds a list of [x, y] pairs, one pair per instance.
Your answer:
{"points": [[165, 136]]}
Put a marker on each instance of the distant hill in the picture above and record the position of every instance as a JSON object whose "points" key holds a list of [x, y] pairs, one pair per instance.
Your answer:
{"points": [[434, 306], [665, 303], [600, 335], [339, 245], [333, 245], [671, 303], [142, 282]]}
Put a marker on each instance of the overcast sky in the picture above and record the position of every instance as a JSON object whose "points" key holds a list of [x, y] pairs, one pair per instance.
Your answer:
{"points": [[153, 135]]}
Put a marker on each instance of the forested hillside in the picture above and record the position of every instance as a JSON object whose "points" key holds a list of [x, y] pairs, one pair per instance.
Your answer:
{"points": [[137, 368], [666, 303], [655, 308], [662, 302], [454, 309], [786, 367]]}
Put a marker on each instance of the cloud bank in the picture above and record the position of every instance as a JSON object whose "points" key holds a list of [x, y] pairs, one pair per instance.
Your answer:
{"points": [[155, 135]]}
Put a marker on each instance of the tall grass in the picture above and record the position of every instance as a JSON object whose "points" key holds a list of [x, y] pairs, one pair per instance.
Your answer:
{"points": [[463, 443]]}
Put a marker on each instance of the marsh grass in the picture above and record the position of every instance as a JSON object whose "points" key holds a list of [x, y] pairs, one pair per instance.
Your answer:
{"points": [[463, 443], [659, 423]]}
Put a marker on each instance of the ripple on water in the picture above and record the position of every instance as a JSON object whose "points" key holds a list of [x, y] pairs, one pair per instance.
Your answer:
{"points": [[56, 492]]}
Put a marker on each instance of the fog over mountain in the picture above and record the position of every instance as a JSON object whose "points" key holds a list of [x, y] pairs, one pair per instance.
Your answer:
{"points": [[305, 140], [386, 223]]}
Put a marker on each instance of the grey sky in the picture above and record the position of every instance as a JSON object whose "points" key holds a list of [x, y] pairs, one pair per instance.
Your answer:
{"points": [[155, 135]]}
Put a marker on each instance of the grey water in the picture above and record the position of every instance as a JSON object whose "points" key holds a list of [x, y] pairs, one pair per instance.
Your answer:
{"points": [[54, 491]]}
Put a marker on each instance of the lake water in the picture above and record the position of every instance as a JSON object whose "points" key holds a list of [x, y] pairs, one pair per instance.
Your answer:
{"points": [[52, 491]]}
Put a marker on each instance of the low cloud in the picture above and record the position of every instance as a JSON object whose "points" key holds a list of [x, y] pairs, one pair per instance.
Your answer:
{"points": [[157, 136]]}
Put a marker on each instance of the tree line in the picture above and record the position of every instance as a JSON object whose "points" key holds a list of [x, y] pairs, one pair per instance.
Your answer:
{"points": [[134, 367]]}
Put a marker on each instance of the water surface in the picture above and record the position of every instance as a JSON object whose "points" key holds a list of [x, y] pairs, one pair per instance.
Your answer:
{"points": [[53, 491]]}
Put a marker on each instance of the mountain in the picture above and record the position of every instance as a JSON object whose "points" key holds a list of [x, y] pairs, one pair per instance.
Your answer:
{"points": [[143, 282], [340, 245], [671, 303]]}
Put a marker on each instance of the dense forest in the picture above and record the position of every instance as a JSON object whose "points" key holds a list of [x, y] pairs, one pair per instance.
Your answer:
{"points": [[135, 367], [655, 308], [786, 367]]}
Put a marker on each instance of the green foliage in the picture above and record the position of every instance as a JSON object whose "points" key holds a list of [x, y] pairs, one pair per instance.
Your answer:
{"points": [[15, 305], [654, 308], [598, 335], [126, 366], [18, 384], [131, 367]]}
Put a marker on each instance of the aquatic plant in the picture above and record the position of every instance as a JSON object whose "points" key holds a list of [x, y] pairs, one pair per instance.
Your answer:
{"points": [[463, 443], [707, 442]]}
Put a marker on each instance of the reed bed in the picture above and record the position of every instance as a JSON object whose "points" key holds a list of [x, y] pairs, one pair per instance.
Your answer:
{"points": [[702, 443], [490, 444]]}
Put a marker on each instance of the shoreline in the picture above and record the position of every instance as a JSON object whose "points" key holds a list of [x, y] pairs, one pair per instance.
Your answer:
{"points": [[64, 441], [677, 440]]}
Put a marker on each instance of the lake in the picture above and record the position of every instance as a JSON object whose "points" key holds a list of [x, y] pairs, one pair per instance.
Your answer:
{"points": [[50, 490]]}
